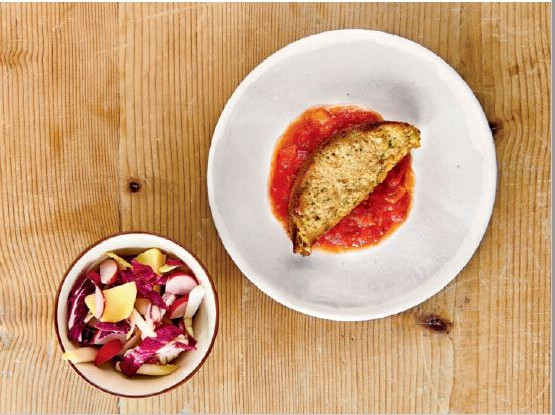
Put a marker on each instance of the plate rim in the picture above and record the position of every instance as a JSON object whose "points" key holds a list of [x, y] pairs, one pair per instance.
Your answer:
{"points": [[470, 244]]}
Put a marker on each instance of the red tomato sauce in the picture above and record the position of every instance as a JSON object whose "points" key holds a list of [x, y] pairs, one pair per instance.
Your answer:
{"points": [[373, 219]]}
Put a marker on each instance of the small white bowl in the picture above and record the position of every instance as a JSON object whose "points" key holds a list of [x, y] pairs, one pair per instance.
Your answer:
{"points": [[205, 322]]}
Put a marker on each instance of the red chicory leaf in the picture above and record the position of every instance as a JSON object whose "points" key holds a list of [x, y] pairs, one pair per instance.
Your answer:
{"points": [[143, 272], [133, 359], [78, 309]]}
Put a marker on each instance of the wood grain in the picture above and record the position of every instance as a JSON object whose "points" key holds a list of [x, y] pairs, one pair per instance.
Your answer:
{"points": [[94, 97]]}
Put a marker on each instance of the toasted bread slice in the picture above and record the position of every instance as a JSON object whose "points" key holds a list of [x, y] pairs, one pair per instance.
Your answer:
{"points": [[341, 173]]}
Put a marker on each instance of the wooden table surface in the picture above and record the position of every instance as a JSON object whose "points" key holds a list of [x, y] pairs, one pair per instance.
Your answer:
{"points": [[96, 97]]}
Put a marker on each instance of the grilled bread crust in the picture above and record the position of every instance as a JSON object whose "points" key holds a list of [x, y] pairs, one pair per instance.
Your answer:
{"points": [[341, 173]]}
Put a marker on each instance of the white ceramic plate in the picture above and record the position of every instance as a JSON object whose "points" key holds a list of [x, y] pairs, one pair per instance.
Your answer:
{"points": [[455, 173]]}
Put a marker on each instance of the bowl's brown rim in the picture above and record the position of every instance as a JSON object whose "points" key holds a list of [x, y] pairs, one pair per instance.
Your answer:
{"points": [[88, 248]]}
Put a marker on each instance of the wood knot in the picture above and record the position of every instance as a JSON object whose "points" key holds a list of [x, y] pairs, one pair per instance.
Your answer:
{"points": [[513, 70], [435, 323], [134, 186], [494, 127]]}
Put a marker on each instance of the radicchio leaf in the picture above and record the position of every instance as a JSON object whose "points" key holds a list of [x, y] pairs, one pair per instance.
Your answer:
{"points": [[170, 351], [161, 279], [144, 288], [155, 298], [143, 272], [185, 346], [175, 262], [153, 360], [87, 336], [78, 309], [119, 327], [192, 341], [95, 278], [127, 276], [103, 337], [134, 358]]}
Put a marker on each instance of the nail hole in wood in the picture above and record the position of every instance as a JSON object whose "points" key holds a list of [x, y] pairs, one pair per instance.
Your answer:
{"points": [[134, 186], [435, 323]]}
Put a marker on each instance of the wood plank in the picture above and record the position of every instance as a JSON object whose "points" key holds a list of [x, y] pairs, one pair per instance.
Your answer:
{"points": [[58, 174], [140, 88]]}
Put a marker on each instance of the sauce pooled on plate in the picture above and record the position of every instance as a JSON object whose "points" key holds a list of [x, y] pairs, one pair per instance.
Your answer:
{"points": [[373, 219]]}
